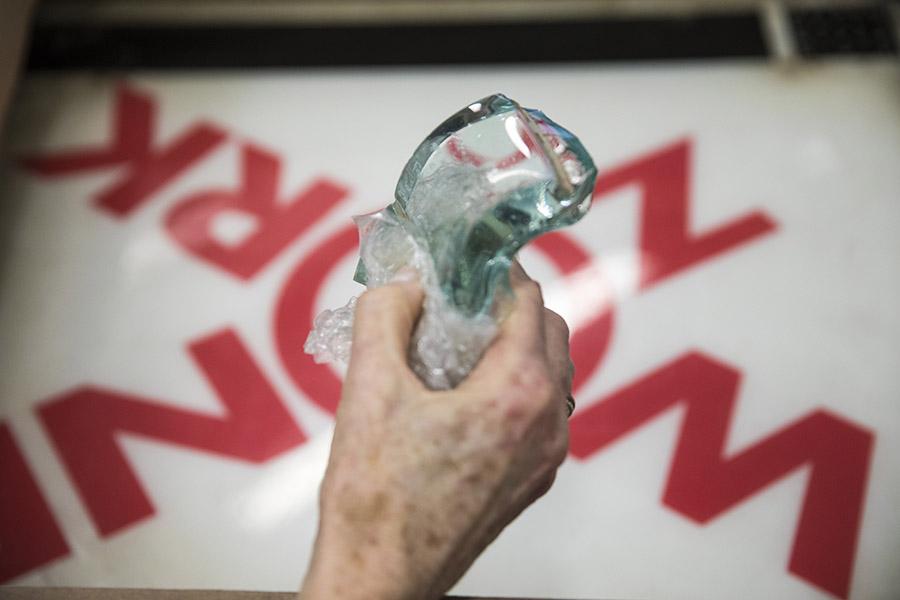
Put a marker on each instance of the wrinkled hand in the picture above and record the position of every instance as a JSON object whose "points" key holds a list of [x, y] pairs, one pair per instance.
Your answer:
{"points": [[420, 482]]}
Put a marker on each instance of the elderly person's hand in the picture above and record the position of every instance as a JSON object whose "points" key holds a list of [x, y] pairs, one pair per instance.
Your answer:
{"points": [[419, 482]]}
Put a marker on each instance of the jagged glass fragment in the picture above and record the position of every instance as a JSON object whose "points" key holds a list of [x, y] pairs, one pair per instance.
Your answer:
{"points": [[488, 180]]}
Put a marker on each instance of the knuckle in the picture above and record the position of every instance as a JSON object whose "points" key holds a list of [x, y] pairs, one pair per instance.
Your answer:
{"points": [[535, 384], [532, 290], [375, 301], [364, 304], [556, 322], [532, 375], [526, 389], [399, 301]]}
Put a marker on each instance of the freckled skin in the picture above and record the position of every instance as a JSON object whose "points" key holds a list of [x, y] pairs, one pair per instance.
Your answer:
{"points": [[420, 482]]}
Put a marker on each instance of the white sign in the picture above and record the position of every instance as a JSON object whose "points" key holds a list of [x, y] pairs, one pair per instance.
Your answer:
{"points": [[166, 240]]}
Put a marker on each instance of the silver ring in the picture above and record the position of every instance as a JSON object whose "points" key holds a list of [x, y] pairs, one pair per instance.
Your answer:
{"points": [[570, 405]]}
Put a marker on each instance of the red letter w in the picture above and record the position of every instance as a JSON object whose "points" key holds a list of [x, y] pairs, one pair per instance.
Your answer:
{"points": [[703, 482]]}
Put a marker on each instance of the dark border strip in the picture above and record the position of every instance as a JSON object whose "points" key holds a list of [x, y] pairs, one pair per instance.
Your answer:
{"points": [[859, 30], [59, 47]]}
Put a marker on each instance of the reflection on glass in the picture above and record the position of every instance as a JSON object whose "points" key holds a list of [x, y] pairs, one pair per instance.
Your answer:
{"points": [[489, 179]]}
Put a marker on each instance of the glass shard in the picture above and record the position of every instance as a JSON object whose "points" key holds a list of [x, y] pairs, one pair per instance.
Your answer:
{"points": [[488, 180]]}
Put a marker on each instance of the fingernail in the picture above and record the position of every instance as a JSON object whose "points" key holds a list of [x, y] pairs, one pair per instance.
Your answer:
{"points": [[405, 275]]}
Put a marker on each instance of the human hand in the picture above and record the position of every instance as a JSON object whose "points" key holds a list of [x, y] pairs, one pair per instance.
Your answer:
{"points": [[419, 482]]}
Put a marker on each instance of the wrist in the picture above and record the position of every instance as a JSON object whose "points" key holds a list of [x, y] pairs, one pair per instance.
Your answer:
{"points": [[356, 564]]}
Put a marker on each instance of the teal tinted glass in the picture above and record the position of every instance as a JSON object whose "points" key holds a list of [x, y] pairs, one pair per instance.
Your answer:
{"points": [[489, 179]]}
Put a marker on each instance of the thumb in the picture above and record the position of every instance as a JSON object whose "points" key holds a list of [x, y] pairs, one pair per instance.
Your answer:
{"points": [[384, 321]]}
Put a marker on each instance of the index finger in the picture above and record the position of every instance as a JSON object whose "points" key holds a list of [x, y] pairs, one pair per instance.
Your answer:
{"points": [[383, 323]]}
